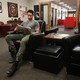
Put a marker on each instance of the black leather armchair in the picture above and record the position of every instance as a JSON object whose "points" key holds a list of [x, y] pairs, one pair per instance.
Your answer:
{"points": [[37, 38], [72, 54], [34, 41]]}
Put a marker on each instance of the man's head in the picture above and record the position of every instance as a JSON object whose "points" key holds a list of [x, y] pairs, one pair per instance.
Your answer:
{"points": [[30, 14]]}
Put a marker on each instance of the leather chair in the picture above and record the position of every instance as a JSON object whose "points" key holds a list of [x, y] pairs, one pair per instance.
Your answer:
{"points": [[4, 28], [34, 41], [72, 54], [60, 22], [70, 22]]}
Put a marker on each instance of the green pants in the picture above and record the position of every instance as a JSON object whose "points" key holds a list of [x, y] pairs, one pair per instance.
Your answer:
{"points": [[24, 39]]}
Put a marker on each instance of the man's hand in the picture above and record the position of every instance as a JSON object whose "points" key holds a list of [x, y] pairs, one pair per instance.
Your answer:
{"points": [[34, 32], [15, 29], [37, 30]]}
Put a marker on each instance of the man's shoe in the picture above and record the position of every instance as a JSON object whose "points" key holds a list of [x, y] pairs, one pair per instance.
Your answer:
{"points": [[12, 70]]}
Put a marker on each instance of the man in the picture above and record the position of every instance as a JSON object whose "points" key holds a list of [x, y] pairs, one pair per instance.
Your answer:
{"points": [[29, 27]]}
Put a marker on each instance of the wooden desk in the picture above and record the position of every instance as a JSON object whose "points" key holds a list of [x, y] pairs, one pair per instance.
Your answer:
{"points": [[56, 36]]}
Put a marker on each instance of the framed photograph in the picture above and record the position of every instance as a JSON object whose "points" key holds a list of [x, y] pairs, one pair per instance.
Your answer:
{"points": [[0, 7], [23, 11], [12, 9]]}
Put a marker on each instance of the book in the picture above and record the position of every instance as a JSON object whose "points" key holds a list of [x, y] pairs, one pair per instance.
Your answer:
{"points": [[26, 30]]}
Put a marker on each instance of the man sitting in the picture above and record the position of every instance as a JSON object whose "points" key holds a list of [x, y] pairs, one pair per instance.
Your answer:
{"points": [[29, 27]]}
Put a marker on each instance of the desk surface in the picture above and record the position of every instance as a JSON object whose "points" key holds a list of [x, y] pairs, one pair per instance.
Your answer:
{"points": [[56, 36]]}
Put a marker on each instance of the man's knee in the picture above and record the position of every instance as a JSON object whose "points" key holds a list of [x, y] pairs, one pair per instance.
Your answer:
{"points": [[7, 37], [23, 42]]}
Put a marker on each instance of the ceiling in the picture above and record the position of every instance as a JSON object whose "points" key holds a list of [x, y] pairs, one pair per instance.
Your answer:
{"points": [[71, 3], [66, 3]]}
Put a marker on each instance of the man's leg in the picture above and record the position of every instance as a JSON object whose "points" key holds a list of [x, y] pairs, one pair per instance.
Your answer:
{"points": [[18, 55], [22, 48], [9, 38]]}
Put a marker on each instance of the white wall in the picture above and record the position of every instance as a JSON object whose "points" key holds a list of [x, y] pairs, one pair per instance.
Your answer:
{"points": [[4, 15]]}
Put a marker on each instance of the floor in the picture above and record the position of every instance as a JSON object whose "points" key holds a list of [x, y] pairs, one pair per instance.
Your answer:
{"points": [[27, 71]]}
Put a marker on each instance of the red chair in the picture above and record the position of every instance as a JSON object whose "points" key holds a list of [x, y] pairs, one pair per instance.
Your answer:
{"points": [[60, 22], [70, 22]]}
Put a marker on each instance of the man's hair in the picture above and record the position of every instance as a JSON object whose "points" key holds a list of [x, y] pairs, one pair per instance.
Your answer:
{"points": [[30, 11]]}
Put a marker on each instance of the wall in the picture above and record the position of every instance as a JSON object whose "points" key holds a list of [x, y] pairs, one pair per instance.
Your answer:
{"points": [[4, 15]]}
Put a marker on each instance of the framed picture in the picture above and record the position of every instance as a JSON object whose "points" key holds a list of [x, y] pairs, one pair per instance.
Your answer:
{"points": [[12, 9], [0, 7], [23, 11]]}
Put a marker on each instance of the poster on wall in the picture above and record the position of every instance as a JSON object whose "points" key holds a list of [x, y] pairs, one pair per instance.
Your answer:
{"points": [[23, 11], [0, 7], [12, 9]]}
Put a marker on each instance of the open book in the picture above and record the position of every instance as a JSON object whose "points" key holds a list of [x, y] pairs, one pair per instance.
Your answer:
{"points": [[26, 30]]}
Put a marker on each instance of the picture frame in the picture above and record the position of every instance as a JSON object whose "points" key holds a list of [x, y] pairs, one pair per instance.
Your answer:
{"points": [[23, 11], [0, 7], [12, 9]]}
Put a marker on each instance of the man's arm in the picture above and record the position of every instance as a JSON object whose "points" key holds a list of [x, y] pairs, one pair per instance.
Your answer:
{"points": [[18, 27], [37, 28]]}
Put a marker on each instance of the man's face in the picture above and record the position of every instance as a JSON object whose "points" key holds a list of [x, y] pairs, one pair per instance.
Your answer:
{"points": [[30, 16]]}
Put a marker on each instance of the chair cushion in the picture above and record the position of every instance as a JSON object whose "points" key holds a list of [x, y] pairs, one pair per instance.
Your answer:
{"points": [[50, 50], [76, 48], [76, 51]]}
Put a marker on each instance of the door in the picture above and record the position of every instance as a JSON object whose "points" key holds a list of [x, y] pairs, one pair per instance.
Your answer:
{"points": [[44, 12]]}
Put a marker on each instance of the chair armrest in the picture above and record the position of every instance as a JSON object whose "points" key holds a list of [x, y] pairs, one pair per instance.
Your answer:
{"points": [[10, 32], [13, 32], [38, 34], [68, 44], [52, 30]]}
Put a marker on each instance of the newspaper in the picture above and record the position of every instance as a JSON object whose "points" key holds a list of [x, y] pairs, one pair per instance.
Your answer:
{"points": [[26, 30]]}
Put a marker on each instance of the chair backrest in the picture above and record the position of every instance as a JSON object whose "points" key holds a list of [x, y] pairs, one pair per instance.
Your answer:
{"points": [[70, 22], [42, 26], [1, 23]]}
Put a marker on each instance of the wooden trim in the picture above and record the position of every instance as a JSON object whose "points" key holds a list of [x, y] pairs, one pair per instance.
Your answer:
{"points": [[77, 12], [49, 10]]}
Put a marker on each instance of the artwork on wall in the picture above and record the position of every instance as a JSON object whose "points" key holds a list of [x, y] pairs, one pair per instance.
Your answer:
{"points": [[12, 9], [23, 11], [0, 7]]}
